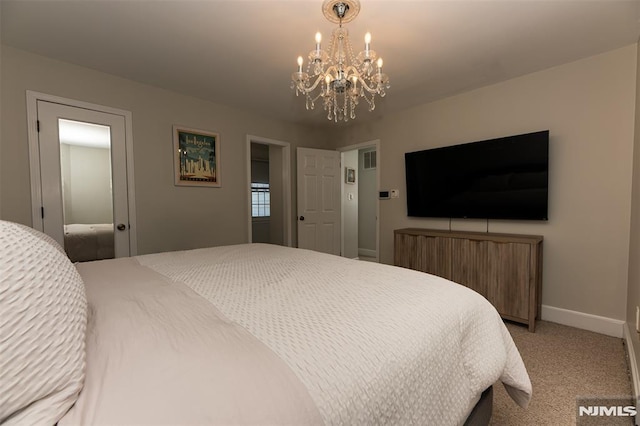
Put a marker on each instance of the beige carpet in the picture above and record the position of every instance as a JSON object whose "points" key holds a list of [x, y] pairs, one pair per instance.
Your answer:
{"points": [[564, 363]]}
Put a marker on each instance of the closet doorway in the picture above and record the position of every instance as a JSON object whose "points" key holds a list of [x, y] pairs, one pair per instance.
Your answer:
{"points": [[269, 190], [81, 177]]}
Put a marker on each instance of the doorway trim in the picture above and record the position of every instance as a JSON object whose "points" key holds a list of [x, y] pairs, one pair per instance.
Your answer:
{"points": [[34, 157], [286, 185], [372, 143]]}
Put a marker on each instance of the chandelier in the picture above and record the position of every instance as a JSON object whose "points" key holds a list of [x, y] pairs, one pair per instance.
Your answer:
{"points": [[337, 76]]}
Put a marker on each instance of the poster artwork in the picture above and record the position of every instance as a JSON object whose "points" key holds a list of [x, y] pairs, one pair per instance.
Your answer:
{"points": [[198, 158]]}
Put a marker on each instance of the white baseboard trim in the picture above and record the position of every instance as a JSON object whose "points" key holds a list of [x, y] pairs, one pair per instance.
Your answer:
{"points": [[633, 366], [367, 252], [595, 323]]}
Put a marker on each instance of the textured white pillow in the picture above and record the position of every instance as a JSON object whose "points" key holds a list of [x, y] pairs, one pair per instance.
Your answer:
{"points": [[43, 318], [42, 236]]}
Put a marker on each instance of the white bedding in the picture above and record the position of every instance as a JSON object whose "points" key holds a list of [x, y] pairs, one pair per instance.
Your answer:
{"points": [[260, 334]]}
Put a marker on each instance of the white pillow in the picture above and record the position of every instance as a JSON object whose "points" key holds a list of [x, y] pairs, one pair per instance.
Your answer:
{"points": [[43, 318], [43, 237]]}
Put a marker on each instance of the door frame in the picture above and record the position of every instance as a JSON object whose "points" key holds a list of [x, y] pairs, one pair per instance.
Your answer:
{"points": [[372, 143], [34, 157], [286, 185]]}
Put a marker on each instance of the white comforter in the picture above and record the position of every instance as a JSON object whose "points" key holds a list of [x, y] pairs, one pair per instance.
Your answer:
{"points": [[287, 336]]}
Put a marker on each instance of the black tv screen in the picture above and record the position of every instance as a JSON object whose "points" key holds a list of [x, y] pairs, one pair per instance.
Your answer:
{"points": [[504, 178]]}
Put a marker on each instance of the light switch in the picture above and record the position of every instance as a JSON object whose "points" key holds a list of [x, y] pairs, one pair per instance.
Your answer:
{"points": [[395, 193]]}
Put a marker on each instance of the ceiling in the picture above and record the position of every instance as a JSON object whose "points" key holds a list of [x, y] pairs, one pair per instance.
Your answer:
{"points": [[241, 53]]}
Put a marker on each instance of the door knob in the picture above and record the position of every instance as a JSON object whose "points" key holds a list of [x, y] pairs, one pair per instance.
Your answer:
{"points": [[121, 227], [301, 217]]}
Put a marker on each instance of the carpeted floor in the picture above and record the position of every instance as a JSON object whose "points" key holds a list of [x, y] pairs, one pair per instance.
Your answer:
{"points": [[564, 363]]}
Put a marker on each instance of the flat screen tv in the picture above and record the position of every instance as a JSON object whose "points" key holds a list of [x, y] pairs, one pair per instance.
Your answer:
{"points": [[504, 178]]}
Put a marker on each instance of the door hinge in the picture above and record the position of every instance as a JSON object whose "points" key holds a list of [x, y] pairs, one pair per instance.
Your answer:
{"points": [[38, 125], [42, 212]]}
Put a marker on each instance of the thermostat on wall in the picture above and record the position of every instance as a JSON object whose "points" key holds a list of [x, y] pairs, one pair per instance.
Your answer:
{"points": [[384, 195]]}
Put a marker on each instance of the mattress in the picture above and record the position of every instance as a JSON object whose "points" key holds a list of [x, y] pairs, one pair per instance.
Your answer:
{"points": [[262, 334]]}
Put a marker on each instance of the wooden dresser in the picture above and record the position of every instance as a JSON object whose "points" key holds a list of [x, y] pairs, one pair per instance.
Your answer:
{"points": [[504, 268]]}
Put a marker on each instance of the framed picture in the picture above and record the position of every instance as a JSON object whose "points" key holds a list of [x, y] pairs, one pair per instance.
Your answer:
{"points": [[196, 157], [349, 175]]}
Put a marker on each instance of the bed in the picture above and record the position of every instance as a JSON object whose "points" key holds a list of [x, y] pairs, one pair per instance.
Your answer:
{"points": [[85, 242], [249, 334]]}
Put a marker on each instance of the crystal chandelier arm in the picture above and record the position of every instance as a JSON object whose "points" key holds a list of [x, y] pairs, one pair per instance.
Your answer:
{"points": [[308, 90], [369, 89], [353, 71]]}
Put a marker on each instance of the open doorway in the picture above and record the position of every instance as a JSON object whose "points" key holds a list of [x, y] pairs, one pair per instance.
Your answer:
{"points": [[268, 165], [360, 210]]}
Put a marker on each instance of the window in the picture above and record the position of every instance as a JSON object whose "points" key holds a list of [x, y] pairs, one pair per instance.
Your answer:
{"points": [[260, 200], [369, 160]]}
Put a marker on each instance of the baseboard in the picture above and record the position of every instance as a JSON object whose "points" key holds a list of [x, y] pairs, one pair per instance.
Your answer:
{"points": [[595, 323], [633, 366], [367, 252]]}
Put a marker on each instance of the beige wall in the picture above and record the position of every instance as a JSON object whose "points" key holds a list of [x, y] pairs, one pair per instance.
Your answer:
{"points": [[633, 293], [588, 107], [168, 217]]}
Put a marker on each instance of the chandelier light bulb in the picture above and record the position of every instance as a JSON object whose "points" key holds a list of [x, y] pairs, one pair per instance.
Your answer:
{"points": [[318, 40], [380, 64], [300, 60], [367, 41]]}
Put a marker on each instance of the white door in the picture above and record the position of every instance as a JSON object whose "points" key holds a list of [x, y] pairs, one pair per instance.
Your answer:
{"points": [[53, 120], [319, 180]]}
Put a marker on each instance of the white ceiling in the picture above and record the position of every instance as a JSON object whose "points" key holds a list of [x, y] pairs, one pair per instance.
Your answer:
{"points": [[241, 53]]}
